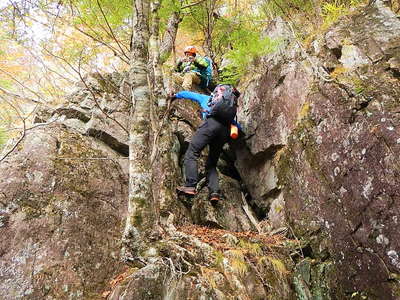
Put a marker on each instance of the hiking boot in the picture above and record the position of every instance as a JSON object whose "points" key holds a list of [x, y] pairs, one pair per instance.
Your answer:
{"points": [[215, 198], [188, 190]]}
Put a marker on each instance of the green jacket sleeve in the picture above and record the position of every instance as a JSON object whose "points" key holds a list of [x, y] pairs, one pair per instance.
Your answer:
{"points": [[200, 62]]}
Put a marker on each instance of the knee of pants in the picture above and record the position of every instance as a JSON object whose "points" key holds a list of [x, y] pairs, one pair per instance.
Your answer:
{"points": [[187, 81], [188, 75], [196, 78], [192, 77], [177, 78], [192, 153]]}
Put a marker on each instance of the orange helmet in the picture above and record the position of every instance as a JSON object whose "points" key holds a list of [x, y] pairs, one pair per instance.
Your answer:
{"points": [[190, 49]]}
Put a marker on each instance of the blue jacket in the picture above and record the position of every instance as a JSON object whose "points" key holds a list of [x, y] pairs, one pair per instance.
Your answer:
{"points": [[202, 100]]}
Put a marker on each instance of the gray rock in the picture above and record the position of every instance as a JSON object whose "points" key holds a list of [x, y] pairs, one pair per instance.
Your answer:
{"points": [[64, 213], [333, 146]]}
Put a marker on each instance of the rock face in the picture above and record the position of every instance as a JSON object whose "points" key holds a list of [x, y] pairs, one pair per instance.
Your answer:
{"points": [[63, 199], [61, 211], [323, 140]]}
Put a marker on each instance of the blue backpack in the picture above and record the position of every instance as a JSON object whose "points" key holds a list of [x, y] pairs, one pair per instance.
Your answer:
{"points": [[206, 74]]}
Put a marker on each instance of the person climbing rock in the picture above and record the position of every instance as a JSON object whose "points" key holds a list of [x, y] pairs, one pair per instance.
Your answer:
{"points": [[192, 69], [219, 111]]}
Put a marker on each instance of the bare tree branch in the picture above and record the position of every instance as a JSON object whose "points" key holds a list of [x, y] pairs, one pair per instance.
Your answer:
{"points": [[193, 4], [114, 50], [91, 36], [21, 84], [24, 130], [11, 94], [111, 31], [79, 73], [40, 61], [15, 145]]}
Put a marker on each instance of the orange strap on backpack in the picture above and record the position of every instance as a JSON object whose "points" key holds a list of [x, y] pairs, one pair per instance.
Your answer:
{"points": [[234, 132]]}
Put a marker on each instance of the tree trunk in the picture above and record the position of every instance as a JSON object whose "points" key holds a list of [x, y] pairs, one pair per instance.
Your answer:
{"points": [[169, 37], [153, 170], [162, 157], [141, 218], [209, 28]]}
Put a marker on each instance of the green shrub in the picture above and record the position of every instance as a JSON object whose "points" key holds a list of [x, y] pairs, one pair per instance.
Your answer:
{"points": [[333, 10], [246, 47], [235, 35], [287, 7]]}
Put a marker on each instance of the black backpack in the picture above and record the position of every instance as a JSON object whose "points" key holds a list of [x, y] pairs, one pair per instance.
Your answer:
{"points": [[223, 103]]}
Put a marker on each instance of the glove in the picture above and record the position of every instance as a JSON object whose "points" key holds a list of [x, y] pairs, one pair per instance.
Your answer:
{"points": [[171, 96]]}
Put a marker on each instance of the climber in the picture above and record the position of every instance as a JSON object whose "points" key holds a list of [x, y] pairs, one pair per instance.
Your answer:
{"points": [[193, 69], [214, 132]]}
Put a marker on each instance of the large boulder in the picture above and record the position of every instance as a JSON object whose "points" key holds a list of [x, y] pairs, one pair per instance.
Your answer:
{"points": [[63, 202], [323, 140]]}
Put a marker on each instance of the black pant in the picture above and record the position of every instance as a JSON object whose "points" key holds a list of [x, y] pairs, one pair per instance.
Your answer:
{"points": [[212, 133]]}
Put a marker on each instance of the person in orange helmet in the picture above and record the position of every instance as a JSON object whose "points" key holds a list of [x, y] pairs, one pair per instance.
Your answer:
{"points": [[191, 69]]}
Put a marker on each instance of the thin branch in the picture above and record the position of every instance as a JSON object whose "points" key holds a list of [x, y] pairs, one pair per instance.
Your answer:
{"points": [[22, 84], [193, 4], [96, 38], [90, 158], [24, 130], [11, 94], [114, 50], [78, 71], [62, 65], [117, 53], [33, 126], [16, 144], [45, 66], [17, 110], [111, 31], [33, 111]]}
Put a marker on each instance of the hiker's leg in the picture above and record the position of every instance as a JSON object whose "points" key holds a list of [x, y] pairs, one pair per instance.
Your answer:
{"points": [[178, 78], [196, 79], [201, 138], [211, 167], [188, 79], [216, 145]]}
